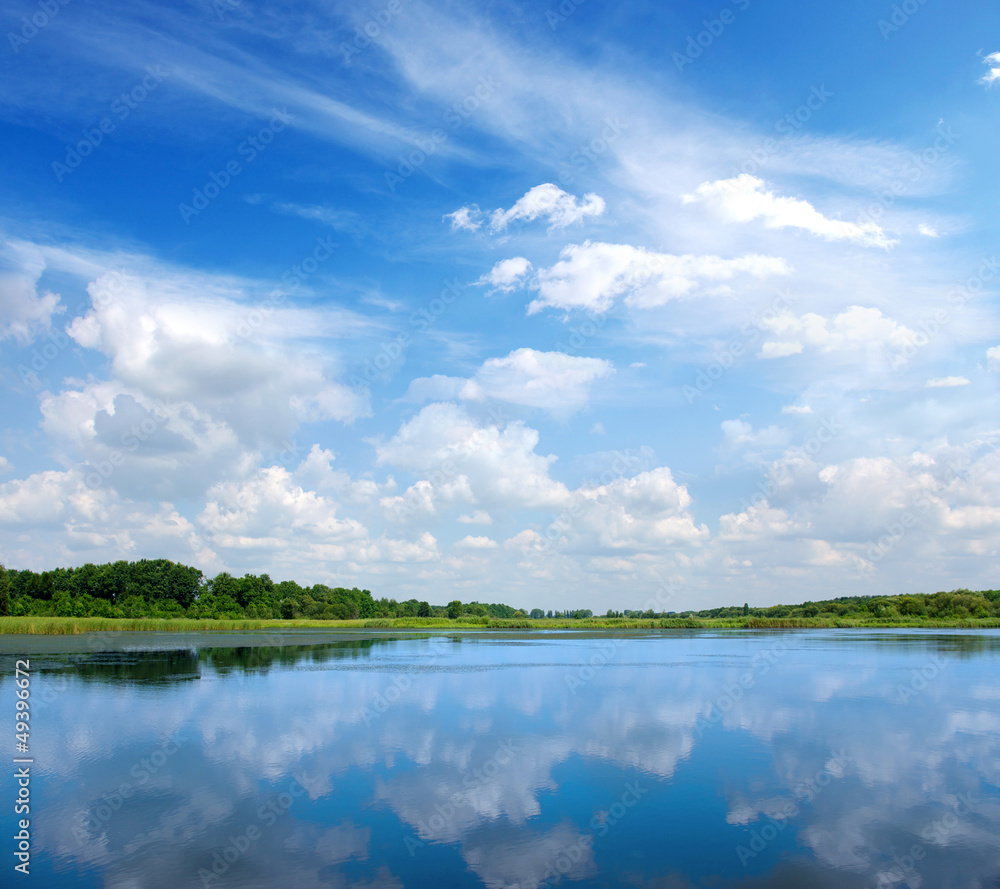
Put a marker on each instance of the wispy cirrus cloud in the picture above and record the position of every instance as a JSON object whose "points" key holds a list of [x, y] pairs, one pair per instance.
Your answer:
{"points": [[336, 218], [946, 382]]}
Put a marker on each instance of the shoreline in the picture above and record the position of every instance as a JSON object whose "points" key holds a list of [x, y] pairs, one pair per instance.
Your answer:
{"points": [[59, 626]]}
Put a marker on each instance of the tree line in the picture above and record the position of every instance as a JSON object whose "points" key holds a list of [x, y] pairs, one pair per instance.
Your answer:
{"points": [[960, 604], [161, 588]]}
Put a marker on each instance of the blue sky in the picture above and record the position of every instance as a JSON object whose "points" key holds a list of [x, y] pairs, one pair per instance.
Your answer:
{"points": [[567, 306]]}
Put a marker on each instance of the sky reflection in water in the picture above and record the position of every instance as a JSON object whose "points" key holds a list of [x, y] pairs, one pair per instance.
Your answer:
{"points": [[836, 759]]}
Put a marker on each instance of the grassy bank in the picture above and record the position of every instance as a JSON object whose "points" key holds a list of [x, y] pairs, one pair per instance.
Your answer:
{"points": [[76, 625]]}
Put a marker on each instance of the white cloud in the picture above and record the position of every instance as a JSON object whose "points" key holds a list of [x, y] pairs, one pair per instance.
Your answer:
{"points": [[423, 499], [928, 230], [267, 508], [639, 514], [550, 380], [316, 473], [740, 432], [993, 61], [436, 388], [159, 448], [865, 514], [780, 349], [169, 339], [470, 542], [856, 328], [993, 357], [546, 201], [41, 498], [24, 314], [946, 382], [550, 202], [796, 409], [743, 199], [67, 520], [593, 275], [467, 219], [500, 463], [507, 275]]}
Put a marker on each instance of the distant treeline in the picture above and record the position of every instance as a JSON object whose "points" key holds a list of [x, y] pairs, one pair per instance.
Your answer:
{"points": [[956, 605], [161, 588]]}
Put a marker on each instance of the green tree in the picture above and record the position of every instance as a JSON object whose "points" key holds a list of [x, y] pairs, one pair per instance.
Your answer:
{"points": [[746, 608], [454, 610], [4, 592], [424, 609]]}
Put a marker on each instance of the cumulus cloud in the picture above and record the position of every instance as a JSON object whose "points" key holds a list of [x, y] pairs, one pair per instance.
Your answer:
{"points": [[168, 339], [316, 473], [24, 313], [40, 499], [552, 381], [928, 231], [550, 202], [470, 542], [68, 516], [436, 388], [507, 275], [155, 447], [262, 511], [500, 463], [639, 514], [636, 514], [744, 198], [946, 382], [865, 514], [546, 201], [993, 357], [593, 275], [423, 499], [856, 328]]}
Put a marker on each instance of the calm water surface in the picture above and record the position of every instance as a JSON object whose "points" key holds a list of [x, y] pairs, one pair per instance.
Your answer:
{"points": [[671, 760]]}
